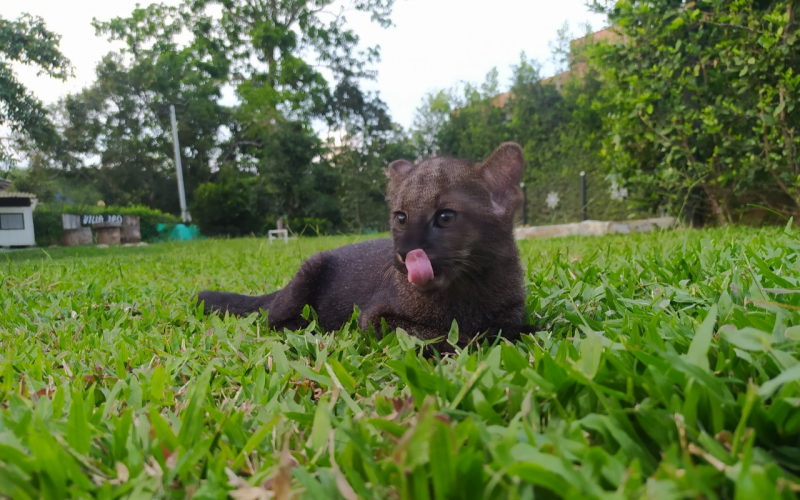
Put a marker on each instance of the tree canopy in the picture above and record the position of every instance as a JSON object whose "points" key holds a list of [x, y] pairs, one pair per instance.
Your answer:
{"points": [[253, 83], [689, 109]]}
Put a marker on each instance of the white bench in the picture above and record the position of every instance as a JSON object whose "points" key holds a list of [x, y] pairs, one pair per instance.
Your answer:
{"points": [[278, 233]]}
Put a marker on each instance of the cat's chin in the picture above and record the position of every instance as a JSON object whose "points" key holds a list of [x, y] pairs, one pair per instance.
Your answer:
{"points": [[439, 282]]}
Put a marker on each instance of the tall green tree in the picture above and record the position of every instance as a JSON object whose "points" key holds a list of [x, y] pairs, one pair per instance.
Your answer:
{"points": [[27, 41], [120, 126], [289, 65], [360, 156], [281, 49], [561, 130], [550, 123], [478, 122], [430, 119]]}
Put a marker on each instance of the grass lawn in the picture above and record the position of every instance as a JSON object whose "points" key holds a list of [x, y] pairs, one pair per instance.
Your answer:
{"points": [[666, 367]]}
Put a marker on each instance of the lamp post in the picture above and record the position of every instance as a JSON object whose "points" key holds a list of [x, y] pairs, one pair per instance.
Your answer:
{"points": [[178, 169], [524, 204]]}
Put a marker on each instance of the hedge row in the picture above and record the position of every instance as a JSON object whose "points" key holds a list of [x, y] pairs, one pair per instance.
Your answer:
{"points": [[49, 230]]}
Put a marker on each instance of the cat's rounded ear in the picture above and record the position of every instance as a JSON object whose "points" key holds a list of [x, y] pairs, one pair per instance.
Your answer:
{"points": [[502, 171], [399, 169]]}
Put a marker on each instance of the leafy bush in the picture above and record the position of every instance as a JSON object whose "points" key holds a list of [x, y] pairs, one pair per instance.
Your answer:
{"points": [[702, 101], [234, 205], [49, 230], [47, 226], [239, 204]]}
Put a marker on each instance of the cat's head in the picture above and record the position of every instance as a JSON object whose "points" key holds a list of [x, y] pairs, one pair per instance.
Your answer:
{"points": [[452, 219]]}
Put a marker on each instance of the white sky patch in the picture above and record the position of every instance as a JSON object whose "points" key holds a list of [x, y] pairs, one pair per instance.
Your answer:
{"points": [[434, 44]]}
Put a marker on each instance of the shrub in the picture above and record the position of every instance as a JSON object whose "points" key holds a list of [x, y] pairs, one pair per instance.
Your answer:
{"points": [[234, 205], [703, 105], [47, 225]]}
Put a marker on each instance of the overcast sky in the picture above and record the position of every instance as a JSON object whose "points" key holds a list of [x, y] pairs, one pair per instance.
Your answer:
{"points": [[434, 44]]}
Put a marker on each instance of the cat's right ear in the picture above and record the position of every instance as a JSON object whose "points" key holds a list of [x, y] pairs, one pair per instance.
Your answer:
{"points": [[502, 172], [399, 169]]}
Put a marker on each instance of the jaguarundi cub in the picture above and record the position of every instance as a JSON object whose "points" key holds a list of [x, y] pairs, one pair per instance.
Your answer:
{"points": [[452, 255]]}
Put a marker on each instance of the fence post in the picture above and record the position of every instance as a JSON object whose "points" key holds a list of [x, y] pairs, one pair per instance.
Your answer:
{"points": [[583, 195]]}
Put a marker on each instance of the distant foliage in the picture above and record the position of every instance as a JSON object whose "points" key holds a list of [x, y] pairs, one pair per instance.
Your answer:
{"points": [[358, 166], [54, 185], [692, 110], [477, 123], [560, 129], [702, 105]]}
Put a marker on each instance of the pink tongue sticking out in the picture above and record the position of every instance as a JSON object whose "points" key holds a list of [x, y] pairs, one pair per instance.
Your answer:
{"points": [[419, 267]]}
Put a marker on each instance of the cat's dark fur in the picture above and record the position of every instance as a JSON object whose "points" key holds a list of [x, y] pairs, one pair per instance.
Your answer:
{"points": [[477, 275]]}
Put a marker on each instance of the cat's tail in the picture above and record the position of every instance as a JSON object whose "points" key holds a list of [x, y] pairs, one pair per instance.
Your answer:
{"points": [[238, 305]]}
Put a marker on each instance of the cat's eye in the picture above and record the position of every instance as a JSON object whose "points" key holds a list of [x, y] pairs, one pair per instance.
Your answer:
{"points": [[400, 219], [445, 218]]}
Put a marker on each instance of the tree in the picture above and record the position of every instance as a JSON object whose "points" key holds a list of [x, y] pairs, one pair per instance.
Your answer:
{"points": [[279, 50], [560, 48], [360, 162], [28, 41], [478, 122], [290, 64], [120, 126], [703, 99], [429, 120]]}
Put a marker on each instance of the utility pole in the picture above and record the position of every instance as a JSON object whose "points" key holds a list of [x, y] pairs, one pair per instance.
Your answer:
{"points": [[583, 195], [178, 169]]}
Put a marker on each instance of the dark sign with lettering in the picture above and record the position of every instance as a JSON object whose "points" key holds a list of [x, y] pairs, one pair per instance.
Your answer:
{"points": [[88, 220]]}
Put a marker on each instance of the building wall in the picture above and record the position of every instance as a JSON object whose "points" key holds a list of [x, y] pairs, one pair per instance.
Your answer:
{"points": [[18, 237]]}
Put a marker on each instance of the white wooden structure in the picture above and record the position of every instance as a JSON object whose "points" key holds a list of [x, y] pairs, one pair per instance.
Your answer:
{"points": [[16, 219], [278, 233]]}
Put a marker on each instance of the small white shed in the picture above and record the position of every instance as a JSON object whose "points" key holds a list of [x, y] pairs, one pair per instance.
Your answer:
{"points": [[16, 219]]}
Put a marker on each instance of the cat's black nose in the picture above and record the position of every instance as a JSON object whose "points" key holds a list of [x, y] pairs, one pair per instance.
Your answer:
{"points": [[403, 251], [408, 244]]}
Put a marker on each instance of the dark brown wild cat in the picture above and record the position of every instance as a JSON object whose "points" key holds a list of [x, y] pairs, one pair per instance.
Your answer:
{"points": [[452, 255]]}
